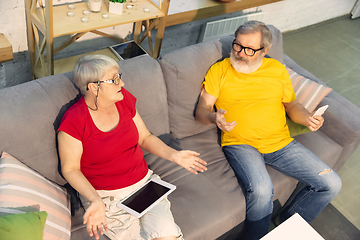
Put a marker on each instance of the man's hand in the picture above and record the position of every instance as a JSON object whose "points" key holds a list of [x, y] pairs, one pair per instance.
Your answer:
{"points": [[300, 115], [222, 123], [315, 122], [190, 161], [95, 219]]}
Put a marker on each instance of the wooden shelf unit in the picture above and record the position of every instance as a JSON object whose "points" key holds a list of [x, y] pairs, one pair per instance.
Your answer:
{"points": [[46, 22]]}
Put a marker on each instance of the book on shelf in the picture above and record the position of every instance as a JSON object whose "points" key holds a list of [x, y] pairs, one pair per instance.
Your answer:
{"points": [[127, 50]]}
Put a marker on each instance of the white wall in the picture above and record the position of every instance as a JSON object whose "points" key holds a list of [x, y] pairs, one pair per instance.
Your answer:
{"points": [[13, 24], [294, 14]]}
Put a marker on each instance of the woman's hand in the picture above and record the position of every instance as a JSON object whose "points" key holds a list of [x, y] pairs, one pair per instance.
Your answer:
{"points": [[189, 160], [95, 219]]}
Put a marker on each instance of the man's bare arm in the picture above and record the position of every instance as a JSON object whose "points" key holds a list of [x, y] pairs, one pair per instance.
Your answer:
{"points": [[299, 114], [205, 115]]}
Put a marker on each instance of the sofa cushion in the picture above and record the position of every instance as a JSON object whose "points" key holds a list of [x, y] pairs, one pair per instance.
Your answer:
{"points": [[207, 204], [29, 114], [295, 128], [143, 78], [322, 146], [212, 201], [26, 190], [29, 226], [308, 93], [184, 71], [276, 50]]}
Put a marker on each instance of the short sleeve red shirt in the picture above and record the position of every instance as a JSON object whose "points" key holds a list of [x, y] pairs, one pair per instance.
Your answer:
{"points": [[110, 160]]}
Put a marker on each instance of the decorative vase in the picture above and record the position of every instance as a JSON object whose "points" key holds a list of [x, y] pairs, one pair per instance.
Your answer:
{"points": [[95, 5], [116, 8]]}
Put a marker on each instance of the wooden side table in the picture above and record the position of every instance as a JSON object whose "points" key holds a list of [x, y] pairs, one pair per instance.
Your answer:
{"points": [[6, 53]]}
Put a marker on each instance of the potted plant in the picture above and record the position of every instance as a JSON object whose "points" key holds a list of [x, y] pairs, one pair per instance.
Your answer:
{"points": [[116, 6]]}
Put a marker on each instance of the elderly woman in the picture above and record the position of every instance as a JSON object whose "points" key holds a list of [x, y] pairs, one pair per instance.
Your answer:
{"points": [[99, 145]]}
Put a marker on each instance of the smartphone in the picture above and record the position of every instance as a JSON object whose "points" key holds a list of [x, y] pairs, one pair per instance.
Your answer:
{"points": [[321, 110]]}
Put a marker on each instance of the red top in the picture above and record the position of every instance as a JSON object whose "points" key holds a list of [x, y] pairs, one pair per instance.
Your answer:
{"points": [[110, 160]]}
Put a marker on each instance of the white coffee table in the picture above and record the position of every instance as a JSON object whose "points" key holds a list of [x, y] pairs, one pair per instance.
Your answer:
{"points": [[294, 228]]}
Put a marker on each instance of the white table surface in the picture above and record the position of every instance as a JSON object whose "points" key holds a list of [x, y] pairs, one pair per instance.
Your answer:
{"points": [[294, 228]]}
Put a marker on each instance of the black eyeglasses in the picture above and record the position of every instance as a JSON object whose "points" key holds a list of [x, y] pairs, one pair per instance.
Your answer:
{"points": [[248, 51], [115, 81]]}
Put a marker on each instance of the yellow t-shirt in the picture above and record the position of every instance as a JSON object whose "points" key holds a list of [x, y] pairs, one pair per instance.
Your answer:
{"points": [[254, 101]]}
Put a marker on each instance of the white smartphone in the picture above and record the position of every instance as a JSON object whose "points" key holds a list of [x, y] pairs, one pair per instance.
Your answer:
{"points": [[321, 110], [152, 192]]}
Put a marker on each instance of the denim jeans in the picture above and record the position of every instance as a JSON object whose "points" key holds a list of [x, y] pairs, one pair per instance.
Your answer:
{"points": [[294, 160]]}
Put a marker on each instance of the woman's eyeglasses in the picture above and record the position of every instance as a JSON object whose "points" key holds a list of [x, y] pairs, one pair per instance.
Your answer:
{"points": [[115, 81]]}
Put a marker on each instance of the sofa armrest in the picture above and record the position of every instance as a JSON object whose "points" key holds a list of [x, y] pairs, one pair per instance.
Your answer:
{"points": [[342, 118]]}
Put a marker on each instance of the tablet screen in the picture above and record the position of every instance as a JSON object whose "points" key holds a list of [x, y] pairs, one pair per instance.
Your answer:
{"points": [[128, 50], [145, 196]]}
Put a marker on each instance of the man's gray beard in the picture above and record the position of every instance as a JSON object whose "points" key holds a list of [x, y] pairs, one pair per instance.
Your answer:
{"points": [[242, 65]]}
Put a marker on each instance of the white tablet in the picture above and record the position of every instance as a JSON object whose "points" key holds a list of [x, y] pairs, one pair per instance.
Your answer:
{"points": [[152, 192]]}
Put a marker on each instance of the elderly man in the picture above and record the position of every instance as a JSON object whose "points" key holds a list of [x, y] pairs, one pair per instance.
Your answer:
{"points": [[252, 95]]}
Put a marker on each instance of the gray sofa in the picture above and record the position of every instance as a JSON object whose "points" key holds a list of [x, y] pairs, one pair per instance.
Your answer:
{"points": [[206, 206]]}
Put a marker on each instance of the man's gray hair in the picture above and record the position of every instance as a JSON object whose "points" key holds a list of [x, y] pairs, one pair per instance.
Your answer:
{"points": [[91, 68], [256, 26]]}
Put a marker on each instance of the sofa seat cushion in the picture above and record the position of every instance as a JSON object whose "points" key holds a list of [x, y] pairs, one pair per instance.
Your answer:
{"points": [[322, 146], [212, 201], [207, 204]]}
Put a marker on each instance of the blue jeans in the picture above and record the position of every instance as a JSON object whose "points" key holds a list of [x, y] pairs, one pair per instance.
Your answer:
{"points": [[294, 160]]}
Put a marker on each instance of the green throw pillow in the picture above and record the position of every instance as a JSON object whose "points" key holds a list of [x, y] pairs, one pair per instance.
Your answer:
{"points": [[29, 226], [295, 128]]}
